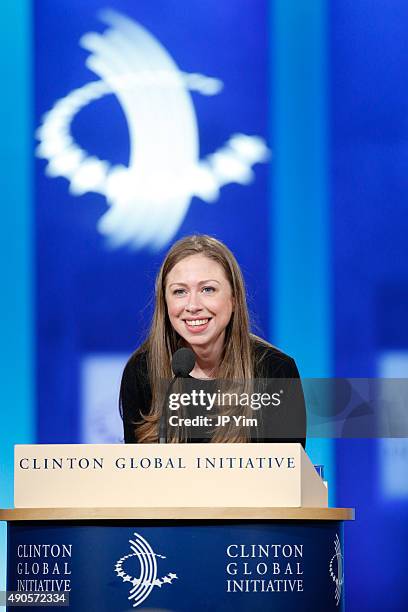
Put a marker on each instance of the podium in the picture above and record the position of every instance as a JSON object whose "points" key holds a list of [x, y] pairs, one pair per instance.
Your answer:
{"points": [[253, 554]]}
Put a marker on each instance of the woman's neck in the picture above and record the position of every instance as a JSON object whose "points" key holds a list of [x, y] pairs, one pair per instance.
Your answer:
{"points": [[207, 361]]}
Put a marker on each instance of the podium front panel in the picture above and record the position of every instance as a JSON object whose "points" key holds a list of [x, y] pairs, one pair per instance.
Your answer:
{"points": [[181, 566]]}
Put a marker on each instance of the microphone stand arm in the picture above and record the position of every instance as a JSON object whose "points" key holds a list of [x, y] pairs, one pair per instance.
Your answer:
{"points": [[163, 418]]}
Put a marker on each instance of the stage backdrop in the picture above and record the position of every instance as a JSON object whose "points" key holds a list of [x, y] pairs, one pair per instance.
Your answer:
{"points": [[319, 87]]}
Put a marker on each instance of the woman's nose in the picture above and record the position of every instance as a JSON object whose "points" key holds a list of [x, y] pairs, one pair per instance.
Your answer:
{"points": [[193, 304]]}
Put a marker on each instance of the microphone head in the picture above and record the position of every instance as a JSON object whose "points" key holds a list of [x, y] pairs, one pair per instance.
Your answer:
{"points": [[183, 362]]}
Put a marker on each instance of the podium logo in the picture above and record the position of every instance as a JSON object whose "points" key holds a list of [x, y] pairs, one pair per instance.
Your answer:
{"points": [[336, 569], [145, 579], [149, 198]]}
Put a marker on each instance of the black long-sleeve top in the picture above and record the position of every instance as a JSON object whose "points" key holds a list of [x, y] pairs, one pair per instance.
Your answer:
{"points": [[286, 423]]}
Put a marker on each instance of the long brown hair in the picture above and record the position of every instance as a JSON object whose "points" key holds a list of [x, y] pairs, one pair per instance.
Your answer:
{"points": [[237, 358]]}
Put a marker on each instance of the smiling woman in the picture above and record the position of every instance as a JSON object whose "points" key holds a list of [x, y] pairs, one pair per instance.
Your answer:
{"points": [[201, 304]]}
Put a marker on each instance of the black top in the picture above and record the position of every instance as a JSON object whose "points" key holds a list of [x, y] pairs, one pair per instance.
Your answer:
{"points": [[285, 423]]}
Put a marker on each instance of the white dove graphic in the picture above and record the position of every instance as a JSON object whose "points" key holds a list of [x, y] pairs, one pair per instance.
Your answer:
{"points": [[149, 198]]}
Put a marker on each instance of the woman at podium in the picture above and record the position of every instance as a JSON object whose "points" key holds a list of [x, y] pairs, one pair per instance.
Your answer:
{"points": [[201, 305]]}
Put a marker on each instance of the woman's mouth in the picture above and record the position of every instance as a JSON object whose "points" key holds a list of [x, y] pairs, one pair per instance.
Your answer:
{"points": [[197, 325]]}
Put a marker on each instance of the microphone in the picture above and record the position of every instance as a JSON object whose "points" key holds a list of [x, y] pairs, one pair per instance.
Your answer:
{"points": [[183, 361]]}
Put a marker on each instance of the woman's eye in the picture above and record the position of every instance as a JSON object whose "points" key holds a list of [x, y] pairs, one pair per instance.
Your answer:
{"points": [[208, 289], [178, 291]]}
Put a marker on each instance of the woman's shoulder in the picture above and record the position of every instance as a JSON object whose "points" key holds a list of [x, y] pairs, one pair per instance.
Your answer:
{"points": [[271, 362], [138, 359]]}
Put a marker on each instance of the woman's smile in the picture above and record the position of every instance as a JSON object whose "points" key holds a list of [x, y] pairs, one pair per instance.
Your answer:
{"points": [[197, 326]]}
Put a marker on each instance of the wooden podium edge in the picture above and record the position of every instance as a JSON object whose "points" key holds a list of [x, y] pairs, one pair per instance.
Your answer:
{"points": [[174, 514]]}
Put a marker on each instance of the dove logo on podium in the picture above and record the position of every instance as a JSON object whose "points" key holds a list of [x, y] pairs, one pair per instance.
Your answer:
{"points": [[148, 199], [336, 569], [146, 570]]}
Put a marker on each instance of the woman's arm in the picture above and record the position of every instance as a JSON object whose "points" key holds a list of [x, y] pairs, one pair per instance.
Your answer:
{"points": [[135, 395], [286, 422]]}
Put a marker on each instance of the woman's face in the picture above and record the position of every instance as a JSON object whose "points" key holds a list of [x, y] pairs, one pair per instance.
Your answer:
{"points": [[199, 301]]}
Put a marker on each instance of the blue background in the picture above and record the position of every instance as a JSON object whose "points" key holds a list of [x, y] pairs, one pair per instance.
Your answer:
{"points": [[320, 233], [92, 299]]}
